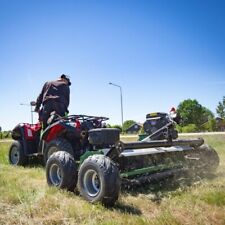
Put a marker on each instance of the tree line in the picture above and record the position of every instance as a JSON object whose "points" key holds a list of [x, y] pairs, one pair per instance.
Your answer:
{"points": [[5, 134], [194, 117]]}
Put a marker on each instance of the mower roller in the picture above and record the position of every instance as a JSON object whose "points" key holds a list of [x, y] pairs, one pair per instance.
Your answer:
{"points": [[81, 153]]}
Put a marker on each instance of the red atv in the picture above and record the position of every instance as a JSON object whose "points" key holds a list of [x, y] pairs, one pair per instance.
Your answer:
{"points": [[69, 134]]}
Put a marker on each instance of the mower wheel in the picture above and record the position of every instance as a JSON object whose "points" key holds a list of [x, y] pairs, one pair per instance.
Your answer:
{"points": [[209, 158], [206, 163], [16, 154], [61, 171], [99, 180], [56, 145]]}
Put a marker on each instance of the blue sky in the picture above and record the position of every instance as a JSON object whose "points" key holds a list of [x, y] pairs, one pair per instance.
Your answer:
{"points": [[160, 52]]}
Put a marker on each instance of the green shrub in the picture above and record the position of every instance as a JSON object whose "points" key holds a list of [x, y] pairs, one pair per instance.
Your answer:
{"points": [[5, 134], [190, 128], [179, 128]]}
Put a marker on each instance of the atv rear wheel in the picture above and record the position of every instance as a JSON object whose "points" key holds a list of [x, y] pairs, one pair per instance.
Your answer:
{"points": [[61, 171], [99, 180], [16, 154], [56, 145]]}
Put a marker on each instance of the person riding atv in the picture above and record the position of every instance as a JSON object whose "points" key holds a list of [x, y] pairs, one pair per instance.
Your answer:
{"points": [[54, 97]]}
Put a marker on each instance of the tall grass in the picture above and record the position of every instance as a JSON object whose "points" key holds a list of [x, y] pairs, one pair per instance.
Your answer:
{"points": [[25, 198]]}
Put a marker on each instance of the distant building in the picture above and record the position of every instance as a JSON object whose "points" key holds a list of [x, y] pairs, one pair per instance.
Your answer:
{"points": [[134, 128], [220, 124]]}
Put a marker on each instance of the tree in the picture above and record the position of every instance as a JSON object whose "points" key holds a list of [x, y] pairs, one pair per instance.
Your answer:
{"points": [[210, 125], [117, 126], [192, 112], [127, 124], [221, 109]]}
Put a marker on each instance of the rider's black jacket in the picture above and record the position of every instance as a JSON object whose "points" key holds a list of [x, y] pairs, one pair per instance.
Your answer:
{"points": [[58, 91]]}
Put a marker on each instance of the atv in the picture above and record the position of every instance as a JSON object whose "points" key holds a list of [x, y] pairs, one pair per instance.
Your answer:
{"points": [[81, 153], [63, 134]]}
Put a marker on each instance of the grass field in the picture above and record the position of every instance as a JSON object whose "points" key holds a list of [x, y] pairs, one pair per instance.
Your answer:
{"points": [[25, 198]]}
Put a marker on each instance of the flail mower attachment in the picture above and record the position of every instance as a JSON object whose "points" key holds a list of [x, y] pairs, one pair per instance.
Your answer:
{"points": [[151, 159], [142, 162]]}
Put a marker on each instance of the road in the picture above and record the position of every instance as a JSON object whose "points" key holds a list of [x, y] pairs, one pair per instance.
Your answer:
{"points": [[201, 133]]}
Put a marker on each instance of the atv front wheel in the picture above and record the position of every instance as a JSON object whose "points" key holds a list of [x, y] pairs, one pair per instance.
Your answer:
{"points": [[61, 171], [16, 154], [99, 180], [56, 145]]}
